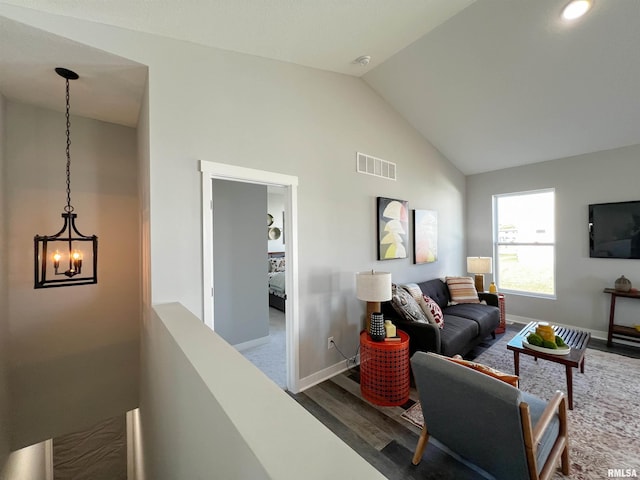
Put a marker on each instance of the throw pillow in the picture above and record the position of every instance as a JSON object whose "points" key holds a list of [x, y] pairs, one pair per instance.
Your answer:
{"points": [[432, 311], [414, 290], [462, 290], [406, 306], [492, 372]]}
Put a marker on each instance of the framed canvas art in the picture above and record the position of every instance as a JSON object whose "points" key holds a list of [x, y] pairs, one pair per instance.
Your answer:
{"points": [[425, 236], [393, 227]]}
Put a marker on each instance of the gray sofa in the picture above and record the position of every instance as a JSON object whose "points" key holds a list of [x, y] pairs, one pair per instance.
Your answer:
{"points": [[465, 324]]}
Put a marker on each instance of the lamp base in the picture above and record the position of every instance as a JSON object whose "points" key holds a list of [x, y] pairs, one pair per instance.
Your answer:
{"points": [[479, 279], [372, 307]]}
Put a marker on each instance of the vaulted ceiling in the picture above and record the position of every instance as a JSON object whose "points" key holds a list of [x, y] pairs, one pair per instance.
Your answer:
{"points": [[490, 83]]}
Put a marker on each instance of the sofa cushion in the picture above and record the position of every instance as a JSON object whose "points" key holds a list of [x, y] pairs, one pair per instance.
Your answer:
{"points": [[457, 335], [432, 310], [437, 290], [462, 290], [406, 306], [487, 317]]}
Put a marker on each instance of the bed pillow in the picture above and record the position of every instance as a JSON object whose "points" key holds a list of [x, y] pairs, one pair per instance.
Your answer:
{"points": [[406, 306], [462, 290], [432, 310], [276, 264]]}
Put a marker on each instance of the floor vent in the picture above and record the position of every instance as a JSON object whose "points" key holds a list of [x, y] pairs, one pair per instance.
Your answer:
{"points": [[375, 166]]}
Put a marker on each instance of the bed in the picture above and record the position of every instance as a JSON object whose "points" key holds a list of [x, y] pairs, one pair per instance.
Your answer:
{"points": [[277, 292]]}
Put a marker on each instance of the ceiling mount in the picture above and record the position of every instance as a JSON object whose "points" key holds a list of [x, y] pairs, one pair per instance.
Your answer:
{"points": [[363, 60], [66, 73]]}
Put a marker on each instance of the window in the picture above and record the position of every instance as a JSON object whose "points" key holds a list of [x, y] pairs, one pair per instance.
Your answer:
{"points": [[524, 242]]}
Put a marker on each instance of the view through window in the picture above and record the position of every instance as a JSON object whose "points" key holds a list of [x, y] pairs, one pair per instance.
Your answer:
{"points": [[524, 242]]}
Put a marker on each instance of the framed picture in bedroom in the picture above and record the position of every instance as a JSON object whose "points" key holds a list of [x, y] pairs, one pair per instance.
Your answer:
{"points": [[393, 228], [425, 236]]}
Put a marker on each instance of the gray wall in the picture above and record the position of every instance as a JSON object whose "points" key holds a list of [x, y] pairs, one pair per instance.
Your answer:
{"points": [[4, 325], [607, 176], [241, 307], [259, 113], [74, 351]]}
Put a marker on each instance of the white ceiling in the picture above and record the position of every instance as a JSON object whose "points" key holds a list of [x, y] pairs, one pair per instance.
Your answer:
{"points": [[490, 83], [110, 88], [506, 83]]}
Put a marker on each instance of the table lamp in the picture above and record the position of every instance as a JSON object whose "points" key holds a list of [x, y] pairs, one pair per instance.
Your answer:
{"points": [[479, 266], [373, 288]]}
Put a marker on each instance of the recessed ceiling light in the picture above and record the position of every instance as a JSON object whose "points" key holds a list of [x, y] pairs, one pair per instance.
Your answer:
{"points": [[363, 60], [576, 9]]}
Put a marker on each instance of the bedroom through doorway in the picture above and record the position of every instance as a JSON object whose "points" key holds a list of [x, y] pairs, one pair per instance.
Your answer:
{"points": [[246, 212], [270, 357]]}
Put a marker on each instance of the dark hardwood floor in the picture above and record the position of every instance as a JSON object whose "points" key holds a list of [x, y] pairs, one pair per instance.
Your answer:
{"points": [[385, 439]]}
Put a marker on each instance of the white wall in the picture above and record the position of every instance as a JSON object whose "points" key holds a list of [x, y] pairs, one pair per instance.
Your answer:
{"points": [[231, 108], [4, 325], [202, 422], [29, 463], [74, 350], [607, 176]]}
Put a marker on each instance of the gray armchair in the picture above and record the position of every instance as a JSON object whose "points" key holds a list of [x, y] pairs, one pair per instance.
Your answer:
{"points": [[508, 433]]}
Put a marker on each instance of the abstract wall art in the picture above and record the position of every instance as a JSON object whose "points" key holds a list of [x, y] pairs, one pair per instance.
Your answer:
{"points": [[425, 236], [393, 228]]}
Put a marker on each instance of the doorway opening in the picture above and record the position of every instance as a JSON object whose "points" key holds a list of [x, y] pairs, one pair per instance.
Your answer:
{"points": [[287, 184]]}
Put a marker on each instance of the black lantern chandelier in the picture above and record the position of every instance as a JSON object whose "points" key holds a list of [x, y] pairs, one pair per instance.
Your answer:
{"points": [[68, 257]]}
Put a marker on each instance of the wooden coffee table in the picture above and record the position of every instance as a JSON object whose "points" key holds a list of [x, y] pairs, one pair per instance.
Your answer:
{"points": [[576, 339]]}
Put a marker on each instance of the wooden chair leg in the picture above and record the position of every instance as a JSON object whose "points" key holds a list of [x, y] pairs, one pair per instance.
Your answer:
{"points": [[422, 443], [564, 460]]}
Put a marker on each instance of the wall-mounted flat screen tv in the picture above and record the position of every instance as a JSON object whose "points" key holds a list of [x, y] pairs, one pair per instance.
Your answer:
{"points": [[614, 230]]}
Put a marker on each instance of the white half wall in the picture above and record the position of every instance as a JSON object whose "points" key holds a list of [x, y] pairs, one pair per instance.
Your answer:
{"points": [[607, 176], [74, 354], [208, 409]]}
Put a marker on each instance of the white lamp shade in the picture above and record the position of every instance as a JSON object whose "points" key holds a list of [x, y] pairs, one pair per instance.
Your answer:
{"points": [[373, 286], [479, 264]]}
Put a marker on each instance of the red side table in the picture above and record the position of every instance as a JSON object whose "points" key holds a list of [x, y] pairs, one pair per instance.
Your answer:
{"points": [[384, 370], [502, 327]]}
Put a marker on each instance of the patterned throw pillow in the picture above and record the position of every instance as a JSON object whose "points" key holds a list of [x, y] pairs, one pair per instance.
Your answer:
{"points": [[406, 306], [462, 290], [414, 290], [492, 372], [432, 310]]}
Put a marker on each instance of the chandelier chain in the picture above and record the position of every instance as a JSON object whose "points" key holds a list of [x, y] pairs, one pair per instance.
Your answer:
{"points": [[68, 208]]}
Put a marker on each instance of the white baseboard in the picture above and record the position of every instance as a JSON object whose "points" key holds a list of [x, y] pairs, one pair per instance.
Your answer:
{"points": [[324, 374], [251, 343]]}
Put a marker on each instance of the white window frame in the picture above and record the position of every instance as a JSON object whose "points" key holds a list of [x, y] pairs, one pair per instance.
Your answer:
{"points": [[497, 243]]}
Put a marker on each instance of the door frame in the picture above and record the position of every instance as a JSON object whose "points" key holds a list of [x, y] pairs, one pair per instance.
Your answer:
{"points": [[221, 171]]}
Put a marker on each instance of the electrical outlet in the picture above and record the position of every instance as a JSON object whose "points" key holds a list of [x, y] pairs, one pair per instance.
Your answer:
{"points": [[330, 344]]}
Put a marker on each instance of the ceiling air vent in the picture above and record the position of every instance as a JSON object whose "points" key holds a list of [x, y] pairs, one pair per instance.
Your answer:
{"points": [[375, 166]]}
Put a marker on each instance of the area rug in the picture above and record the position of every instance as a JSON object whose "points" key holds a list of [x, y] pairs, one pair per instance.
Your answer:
{"points": [[604, 426]]}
